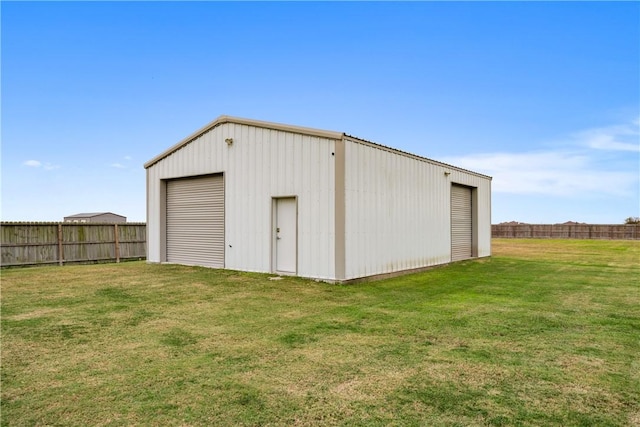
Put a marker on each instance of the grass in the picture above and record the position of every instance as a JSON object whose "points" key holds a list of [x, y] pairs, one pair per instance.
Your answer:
{"points": [[546, 332]]}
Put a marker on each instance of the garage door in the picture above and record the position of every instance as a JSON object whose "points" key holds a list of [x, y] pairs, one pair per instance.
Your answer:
{"points": [[461, 223], [195, 221]]}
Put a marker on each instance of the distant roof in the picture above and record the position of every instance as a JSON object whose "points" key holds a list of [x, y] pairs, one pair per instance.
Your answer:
{"points": [[90, 215], [289, 128]]}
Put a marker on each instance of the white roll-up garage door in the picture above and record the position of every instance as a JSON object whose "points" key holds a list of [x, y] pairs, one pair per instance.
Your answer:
{"points": [[461, 223], [195, 221]]}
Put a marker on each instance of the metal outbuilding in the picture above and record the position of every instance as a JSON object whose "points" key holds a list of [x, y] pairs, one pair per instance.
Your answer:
{"points": [[106, 217], [257, 196]]}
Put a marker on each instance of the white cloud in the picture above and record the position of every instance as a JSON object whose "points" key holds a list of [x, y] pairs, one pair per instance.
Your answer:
{"points": [[625, 137], [549, 173], [119, 165], [38, 163], [567, 173]]}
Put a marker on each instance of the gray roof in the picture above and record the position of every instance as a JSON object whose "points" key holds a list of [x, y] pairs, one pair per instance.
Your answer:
{"points": [[91, 215]]}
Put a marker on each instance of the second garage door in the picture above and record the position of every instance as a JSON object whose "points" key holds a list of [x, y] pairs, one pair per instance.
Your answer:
{"points": [[461, 223], [195, 221]]}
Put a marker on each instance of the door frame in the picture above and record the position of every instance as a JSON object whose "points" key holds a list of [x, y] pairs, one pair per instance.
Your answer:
{"points": [[164, 199], [274, 249], [474, 219]]}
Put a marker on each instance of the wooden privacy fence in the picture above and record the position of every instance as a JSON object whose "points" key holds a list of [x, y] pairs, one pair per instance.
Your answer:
{"points": [[567, 231], [60, 242]]}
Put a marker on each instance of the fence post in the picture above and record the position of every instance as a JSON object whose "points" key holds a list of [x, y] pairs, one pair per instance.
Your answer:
{"points": [[115, 232], [60, 246]]}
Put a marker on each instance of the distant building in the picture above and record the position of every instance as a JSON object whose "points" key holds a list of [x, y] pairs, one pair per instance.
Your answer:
{"points": [[96, 217]]}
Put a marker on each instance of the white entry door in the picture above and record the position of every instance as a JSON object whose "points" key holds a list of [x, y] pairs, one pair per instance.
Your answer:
{"points": [[285, 235]]}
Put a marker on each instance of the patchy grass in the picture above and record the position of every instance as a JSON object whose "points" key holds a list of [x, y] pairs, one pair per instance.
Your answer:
{"points": [[544, 333]]}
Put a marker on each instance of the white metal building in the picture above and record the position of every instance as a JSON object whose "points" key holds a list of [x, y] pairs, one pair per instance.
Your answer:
{"points": [[257, 196]]}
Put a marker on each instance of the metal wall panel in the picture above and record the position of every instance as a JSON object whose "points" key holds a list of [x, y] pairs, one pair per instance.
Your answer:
{"points": [[195, 221], [258, 165], [461, 223], [398, 210]]}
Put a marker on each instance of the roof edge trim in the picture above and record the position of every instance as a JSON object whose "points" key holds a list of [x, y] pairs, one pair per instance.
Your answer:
{"points": [[413, 156], [248, 122]]}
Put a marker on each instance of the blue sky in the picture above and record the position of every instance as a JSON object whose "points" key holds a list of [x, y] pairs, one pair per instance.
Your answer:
{"points": [[542, 96]]}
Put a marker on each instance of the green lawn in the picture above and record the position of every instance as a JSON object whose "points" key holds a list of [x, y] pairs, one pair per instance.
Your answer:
{"points": [[544, 333]]}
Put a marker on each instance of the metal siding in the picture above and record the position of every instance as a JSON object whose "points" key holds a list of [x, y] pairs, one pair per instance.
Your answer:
{"points": [[397, 214], [260, 164], [389, 219], [154, 209], [461, 223], [195, 221]]}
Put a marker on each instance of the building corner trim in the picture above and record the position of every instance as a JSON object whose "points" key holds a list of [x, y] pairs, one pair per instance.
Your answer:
{"points": [[340, 210]]}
